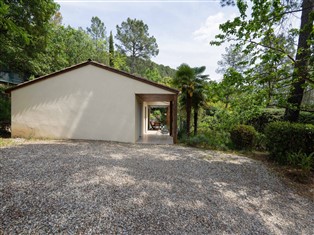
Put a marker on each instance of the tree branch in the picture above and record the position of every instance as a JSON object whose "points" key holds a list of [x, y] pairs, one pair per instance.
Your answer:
{"points": [[274, 49]]}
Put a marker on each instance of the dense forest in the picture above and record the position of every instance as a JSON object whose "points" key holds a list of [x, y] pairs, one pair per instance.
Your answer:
{"points": [[264, 100]]}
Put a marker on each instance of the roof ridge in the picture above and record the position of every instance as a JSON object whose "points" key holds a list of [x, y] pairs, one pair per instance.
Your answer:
{"points": [[97, 64]]}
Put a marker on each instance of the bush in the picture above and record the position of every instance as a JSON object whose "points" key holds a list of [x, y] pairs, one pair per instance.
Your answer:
{"points": [[306, 117], [301, 160], [284, 138], [266, 116], [276, 115], [260, 143], [197, 141], [5, 107], [243, 136]]}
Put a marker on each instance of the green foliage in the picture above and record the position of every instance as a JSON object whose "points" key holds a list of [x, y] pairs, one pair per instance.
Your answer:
{"points": [[306, 118], [135, 40], [216, 126], [141, 66], [5, 114], [5, 106], [24, 27], [301, 160], [97, 31], [262, 31], [268, 115], [198, 141], [66, 46], [265, 117], [238, 94], [159, 115], [184, 80], [33, 47], [243, 137], [120, 62], [6, 142], [284, 138], [192, 83], [233, 59], [153, 75]]}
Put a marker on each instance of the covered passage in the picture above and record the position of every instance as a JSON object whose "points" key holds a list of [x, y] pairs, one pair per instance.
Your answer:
{"points": [[157, 127]]}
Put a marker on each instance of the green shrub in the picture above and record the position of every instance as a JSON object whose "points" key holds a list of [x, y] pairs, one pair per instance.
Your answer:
{"points": [[302, 161], [266, 116], [306, 117], [260, 142], [197, 141], [283, 138], [243, 136], [5, 106], [269, 115]]}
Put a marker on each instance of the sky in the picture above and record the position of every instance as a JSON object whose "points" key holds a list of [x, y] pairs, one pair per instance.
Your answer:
{"points": [[183, 29]]}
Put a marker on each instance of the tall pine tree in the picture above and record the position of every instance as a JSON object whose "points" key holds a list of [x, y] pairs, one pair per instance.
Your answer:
{"points": [[111, 50]]}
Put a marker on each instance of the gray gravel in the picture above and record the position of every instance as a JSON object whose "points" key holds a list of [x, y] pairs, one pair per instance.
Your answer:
{"points": [[95, 187]]}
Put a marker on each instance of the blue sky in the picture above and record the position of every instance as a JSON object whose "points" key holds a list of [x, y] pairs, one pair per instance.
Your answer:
{"points": [[183, 29]]}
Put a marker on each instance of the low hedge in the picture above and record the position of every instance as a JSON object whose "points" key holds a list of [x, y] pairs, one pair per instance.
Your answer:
{"points": [[243, 136], [270, 115], [265, 117], [284, 138]]}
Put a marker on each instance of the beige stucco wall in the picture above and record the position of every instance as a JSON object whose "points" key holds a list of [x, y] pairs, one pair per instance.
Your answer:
{"points": [[86, 103]]}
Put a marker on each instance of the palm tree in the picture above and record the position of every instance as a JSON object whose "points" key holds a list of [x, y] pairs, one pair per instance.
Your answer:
{"points": [[191, 83], [184, 80], [199, 95]]}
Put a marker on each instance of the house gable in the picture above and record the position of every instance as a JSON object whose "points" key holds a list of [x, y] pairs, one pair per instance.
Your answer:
{"points": [[99, 65]]}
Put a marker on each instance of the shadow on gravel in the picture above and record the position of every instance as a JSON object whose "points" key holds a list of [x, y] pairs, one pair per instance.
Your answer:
{"points": [[101, 187]]}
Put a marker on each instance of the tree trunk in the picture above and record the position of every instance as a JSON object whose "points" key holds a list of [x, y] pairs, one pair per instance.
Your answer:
{"points": [[188, 114], [132, 64], [301, 73], [227, 101], [111, 51], [195, 121]]}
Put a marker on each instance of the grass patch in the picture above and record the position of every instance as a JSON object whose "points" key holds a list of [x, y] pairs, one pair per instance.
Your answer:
{"points": [[6, 142]]}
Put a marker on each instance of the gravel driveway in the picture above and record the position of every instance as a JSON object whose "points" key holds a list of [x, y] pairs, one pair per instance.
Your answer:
{"points": [[95, 187]]}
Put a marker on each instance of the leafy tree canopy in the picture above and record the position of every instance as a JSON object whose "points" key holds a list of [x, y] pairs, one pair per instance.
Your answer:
{"points": [[24, 27], [263, 30]]}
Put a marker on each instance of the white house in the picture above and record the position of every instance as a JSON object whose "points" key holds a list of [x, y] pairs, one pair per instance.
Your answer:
{"points": [[88, 101]]}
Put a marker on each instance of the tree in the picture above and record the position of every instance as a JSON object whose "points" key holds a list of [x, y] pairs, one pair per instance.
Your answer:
{"points": [[24, 27], [153, 74], [79, 46], [263, 26], [230, 87], [135, 41], [191, 83], [98, 33], [273, 72], [184, 80], [111, 50], [301, 73], [199, 97], [120, 62], [233, 58], [66, 46]]}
